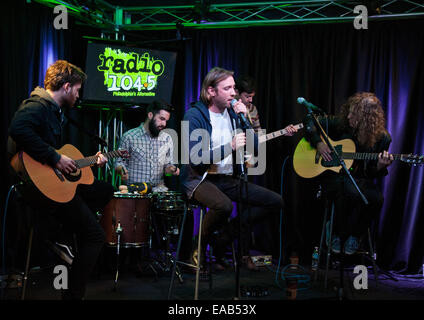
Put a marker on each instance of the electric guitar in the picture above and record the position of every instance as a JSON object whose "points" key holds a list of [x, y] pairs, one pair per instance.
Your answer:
{"points": [[277, 133], [308, 163], [249, 158], [54, 184]]}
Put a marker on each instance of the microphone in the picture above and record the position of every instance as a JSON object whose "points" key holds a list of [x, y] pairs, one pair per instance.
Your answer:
{"points": [[309, 105], [241, 115]]}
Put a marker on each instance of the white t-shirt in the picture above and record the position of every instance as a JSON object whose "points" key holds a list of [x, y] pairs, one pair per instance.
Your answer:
{"points": [[222, 134]]}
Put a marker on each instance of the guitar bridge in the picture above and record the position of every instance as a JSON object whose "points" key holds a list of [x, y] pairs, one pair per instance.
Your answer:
{"points": [[317, 156]]}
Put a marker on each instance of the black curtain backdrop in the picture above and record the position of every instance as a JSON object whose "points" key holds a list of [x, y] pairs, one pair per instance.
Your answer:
{"points": [[324, 63]]}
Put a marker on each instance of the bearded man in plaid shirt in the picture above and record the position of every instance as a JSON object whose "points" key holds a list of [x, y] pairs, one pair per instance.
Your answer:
{"points": [[151, 156], [151, 150]]}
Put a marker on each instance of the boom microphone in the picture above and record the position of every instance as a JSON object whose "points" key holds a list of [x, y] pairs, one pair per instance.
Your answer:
{"points": [[309, 105]]}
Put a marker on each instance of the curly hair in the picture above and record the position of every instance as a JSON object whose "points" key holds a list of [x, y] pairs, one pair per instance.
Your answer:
{"points": [[62, 72], [369, 112]]}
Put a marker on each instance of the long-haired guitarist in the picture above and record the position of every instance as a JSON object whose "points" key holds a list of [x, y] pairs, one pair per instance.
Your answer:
{"points": [[362, 120], [36, 129]]}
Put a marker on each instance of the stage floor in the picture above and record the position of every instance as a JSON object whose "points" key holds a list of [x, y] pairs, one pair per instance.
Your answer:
{"points": [[137, 281]]}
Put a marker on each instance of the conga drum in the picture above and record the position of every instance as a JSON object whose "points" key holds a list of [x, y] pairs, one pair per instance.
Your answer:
{"points": [[132, 213]]}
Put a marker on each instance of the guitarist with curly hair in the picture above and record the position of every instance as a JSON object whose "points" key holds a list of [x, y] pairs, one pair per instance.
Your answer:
{"points": [[362, 120]]}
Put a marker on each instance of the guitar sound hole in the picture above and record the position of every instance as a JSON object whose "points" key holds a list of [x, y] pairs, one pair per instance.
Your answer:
{"points": [[73, 176]]}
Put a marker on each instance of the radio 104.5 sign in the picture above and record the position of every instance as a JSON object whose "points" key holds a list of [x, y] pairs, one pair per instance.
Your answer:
{"points": [[128, 75]]}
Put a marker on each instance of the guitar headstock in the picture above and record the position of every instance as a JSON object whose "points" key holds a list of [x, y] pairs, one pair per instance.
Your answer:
{"points": [[124, 153], [413, 159]]}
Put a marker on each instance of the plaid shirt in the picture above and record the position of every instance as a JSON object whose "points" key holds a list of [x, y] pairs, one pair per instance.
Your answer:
{"points": [[148, 156]]}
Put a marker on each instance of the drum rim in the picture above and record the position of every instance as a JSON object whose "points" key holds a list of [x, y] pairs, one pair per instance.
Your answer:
{"points": [[131, 196], [128, 244]]}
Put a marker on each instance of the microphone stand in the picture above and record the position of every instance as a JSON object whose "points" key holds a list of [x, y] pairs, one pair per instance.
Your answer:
{"points": [[334, 152], [243, 183], [343, 164]]}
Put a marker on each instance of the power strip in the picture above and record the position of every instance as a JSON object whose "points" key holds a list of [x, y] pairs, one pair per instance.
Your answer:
{"points": [[261, 261]]}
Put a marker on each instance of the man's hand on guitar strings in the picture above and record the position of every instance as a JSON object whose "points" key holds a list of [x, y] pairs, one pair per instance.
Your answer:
{"points": [[101, 159], [324, 151], [290, 130], [66, 164], [384, 160]]}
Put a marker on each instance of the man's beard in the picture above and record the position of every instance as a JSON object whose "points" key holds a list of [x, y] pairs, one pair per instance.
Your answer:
{"points": [[223, 104], [69, 104], [154, 131]]}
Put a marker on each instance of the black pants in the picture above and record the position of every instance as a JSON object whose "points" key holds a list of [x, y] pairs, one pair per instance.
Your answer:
{"points": [[352, 216], [78, 216], [217, 193]]}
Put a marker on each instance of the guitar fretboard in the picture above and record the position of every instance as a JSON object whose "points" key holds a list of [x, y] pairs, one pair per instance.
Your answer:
{"points": [[368, 156], [88, 161], [278, 133]]}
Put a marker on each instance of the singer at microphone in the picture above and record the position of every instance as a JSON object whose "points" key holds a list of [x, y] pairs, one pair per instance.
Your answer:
{"points": [[210, 176]]}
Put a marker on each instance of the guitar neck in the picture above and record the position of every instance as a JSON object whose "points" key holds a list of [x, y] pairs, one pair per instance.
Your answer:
{"points": [[368, 156], [277, 134], [88, 161]]}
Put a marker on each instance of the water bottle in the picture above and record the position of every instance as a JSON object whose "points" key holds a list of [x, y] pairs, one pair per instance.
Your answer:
{"points": [[315, 259]]}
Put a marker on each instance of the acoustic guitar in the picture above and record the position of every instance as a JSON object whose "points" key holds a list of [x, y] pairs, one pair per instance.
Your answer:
{"points": [[54, 184], [308, 163]]}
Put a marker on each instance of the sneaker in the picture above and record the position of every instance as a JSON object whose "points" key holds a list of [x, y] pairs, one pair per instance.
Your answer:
{"points": [[63, 251], [335, 244], [351, 245]]}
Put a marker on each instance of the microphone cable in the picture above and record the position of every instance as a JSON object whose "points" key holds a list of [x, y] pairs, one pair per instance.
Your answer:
{"points": [[281, 223], [300, 278], [13, 187]]}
